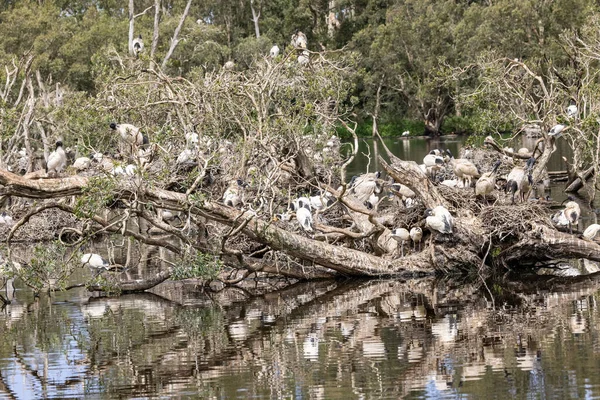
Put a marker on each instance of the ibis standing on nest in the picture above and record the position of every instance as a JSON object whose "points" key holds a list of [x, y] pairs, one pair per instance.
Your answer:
{"points": [[401, 235], [463, 169], [520, 180], [439, 219], [569, 216], [416, 234], [486, 184], [57, 159], [130, 134], [433, 163], [364, 186]]}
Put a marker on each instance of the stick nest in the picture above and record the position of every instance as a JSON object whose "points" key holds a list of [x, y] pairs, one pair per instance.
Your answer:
{"points": [[512, 220]]}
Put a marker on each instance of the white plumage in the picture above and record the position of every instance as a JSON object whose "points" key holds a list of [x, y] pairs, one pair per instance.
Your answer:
{"points": [[401, 235], [82, 163], [274, 51], [5, 219], [372, 201], [572, 111], [305, 219], [57, 159], [130, 133], [192, 138], [591, 231], [433, 163], [301, 202], [362, 187], [569, 216], [129, 170], [556, 131], [320, 202], [439, 219], [416, 235], [94, 261], [304, 58], [486, 184], [520, 180], [185, 156], [232, 196], [464, 169], [299, 39], [138, 45]]}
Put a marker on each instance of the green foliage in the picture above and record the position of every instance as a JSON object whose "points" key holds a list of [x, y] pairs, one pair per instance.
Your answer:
{"points": [[195, 264], [96, 195], [456, 124], [50, 267]]}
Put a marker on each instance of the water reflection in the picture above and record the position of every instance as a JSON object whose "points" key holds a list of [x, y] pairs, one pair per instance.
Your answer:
{"points": [[414, 339]]}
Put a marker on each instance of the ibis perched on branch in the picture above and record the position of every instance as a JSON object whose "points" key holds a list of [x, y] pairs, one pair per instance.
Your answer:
{"points": [[57, 159]]}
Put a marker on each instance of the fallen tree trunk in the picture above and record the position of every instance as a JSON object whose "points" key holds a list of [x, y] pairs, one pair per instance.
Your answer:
{"points": [[578, 183], [468, 248]]}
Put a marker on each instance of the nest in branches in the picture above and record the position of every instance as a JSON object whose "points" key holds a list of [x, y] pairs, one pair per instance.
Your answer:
{"points": [[460, 198], [511, 220], [485, 158]]}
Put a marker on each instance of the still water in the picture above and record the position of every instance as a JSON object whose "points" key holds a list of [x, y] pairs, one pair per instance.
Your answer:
{"points": [[416, 339], [326, 340]]}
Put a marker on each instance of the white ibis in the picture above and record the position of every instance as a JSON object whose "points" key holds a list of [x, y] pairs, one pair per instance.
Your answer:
{"points": [[364, 186], [464, 169], [439, 219], [274, 51], [305, 219], [569, 216], [82, 163], [299, 39], [138, 45], [416, 235], [130, 134], [57, 159], [401, 235], [486, 184], [591, 231], [304, 58], [520, 180], [320, 202], [556, 131], [95, 262], [433, 163], [232, 196]]}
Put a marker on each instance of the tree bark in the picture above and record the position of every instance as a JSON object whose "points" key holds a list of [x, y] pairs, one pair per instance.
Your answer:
{"points": [[175, 38], [255, 17]]}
